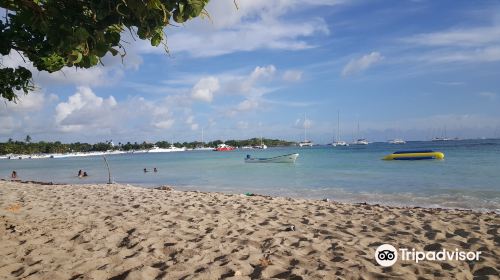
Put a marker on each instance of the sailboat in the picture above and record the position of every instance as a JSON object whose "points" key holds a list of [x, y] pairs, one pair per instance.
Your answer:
{"points": [[262, 145], [338, 142], [202, 147], [443, 138], [360, 141], [305, 143]]}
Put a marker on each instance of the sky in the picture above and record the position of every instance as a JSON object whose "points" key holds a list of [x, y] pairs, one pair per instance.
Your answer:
{"points": [[397, 68]]}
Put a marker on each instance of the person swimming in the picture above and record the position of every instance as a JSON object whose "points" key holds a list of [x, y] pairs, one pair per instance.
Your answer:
{"points": [[145, 170], [85, 174], [13, 175], [155, 170], [80, 173]]}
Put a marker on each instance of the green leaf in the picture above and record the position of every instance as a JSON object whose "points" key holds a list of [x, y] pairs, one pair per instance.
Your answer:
{"points": [[113, 51], [81, 34], [156, 40]]}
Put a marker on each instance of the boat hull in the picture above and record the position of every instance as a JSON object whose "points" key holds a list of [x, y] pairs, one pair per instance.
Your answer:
{"points": [[290, 158]]}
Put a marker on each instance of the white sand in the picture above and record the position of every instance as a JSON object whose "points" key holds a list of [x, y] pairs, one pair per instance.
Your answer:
{"points": [[125, 232]]}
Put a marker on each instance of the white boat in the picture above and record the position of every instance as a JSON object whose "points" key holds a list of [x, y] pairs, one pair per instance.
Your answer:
{"points": [[397, 141], [172, 148], [361, 141], [261, 146], [443, 137], [290, 158], [438, 139], [203, 149], [338, 142], [305, 143]]}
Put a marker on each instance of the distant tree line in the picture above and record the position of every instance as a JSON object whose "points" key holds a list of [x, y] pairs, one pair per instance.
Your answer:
{"points": [[27, 147]]}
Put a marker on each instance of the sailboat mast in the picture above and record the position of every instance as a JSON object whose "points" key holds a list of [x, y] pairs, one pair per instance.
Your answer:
{"points": [[338, 126], [305, 127], [202, 142], [358, 131]]}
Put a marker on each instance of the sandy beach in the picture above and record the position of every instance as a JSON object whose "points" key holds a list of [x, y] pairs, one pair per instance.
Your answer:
{"points": [[127, 232]]}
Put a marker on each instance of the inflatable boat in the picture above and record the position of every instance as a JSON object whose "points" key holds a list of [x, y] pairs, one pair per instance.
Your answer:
{"points": [[290, 158], [414, 155]]}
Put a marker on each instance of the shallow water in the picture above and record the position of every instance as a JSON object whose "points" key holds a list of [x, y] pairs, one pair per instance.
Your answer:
{"points": [[469, 177]]}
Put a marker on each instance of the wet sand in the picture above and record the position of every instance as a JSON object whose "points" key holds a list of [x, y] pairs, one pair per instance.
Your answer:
{"points": [[126, 232]]}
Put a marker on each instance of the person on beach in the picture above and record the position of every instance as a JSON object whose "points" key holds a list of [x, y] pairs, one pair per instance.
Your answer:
{"points": [[13, 175]]}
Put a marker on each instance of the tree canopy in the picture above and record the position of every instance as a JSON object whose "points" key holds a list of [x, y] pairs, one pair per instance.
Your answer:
{"points": [[78, 33], [42, 147]]}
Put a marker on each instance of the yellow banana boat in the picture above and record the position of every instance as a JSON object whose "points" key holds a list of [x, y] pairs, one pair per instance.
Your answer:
{"points": [[414, 155]]}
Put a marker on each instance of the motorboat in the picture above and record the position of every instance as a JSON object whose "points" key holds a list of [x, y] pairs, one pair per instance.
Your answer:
{"points": [[290, 158], [224, 148], [397, 141], [172, 148]]}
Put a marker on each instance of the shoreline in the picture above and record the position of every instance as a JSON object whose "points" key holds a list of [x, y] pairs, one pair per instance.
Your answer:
{"points": [[100, 231], [395, 205]]}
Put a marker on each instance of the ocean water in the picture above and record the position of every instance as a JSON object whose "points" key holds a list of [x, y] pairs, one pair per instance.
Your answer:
{"points": [[469, 177]]}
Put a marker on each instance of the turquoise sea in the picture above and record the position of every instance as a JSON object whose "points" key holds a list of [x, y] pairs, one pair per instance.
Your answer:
{"points": [[469, 177]]}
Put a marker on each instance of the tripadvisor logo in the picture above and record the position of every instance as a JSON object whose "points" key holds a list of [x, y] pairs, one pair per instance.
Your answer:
{"points": [[386, 255]]}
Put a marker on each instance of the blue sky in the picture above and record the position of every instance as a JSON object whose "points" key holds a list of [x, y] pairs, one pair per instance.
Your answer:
{"points": [[406, 69]]}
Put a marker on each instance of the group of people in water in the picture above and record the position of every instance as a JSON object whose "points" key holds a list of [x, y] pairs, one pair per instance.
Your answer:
{"points": [[82, 174]]}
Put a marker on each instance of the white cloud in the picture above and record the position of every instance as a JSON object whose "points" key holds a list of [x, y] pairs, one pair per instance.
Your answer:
{"points": [[242, 125], [205, 88], [33, 101], [488, 94], [487, 54], [464, 45], [9, 124], [303, 123], [194, 126], [451, 83], [361, 64], [292, 75], [465, 37], [164, 124], [247, 105], [95, 76], [254, 25], [84, 109]]}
